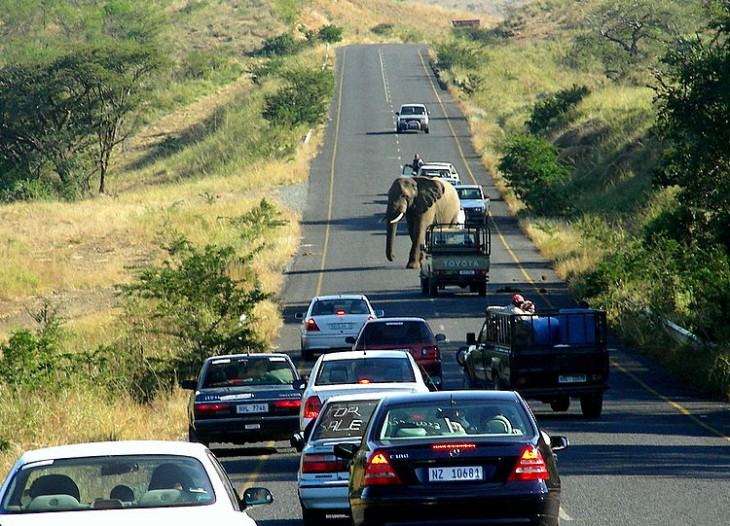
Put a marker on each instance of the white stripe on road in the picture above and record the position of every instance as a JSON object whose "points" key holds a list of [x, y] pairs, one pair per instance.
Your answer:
{"points": [[564, 515]]}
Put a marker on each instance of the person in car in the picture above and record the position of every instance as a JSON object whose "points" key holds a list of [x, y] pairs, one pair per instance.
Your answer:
{"points": [[416, 163]]}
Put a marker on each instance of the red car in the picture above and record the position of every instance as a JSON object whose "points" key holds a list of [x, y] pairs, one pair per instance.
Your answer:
{"points": [[406, 334]]}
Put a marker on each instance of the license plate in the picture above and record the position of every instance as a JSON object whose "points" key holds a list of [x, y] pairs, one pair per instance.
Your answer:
{"points": [[340, 325], [466, 272], [572, 379], [250, 427], [455, 473], [247, 409]]}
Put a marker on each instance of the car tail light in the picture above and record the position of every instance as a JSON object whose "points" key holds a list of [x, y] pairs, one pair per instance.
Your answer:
{"points": [[431, 351], [379, 472], [288, 404], [322, 464], [312, 325], [462, 446], [202, 410], [312, 407], [530, 466], [340, 312]]}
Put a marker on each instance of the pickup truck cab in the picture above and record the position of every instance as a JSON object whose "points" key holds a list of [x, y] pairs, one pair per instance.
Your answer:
{"points": [[455, 255], [411, 117], [552, 357]]}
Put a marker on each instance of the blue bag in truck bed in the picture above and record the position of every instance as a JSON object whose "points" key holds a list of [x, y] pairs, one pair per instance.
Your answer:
{"points": [[577, 326], [546, 330]]}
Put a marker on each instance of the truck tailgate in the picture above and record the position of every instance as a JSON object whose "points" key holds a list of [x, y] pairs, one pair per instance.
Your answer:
{"points": [[559, 368]]}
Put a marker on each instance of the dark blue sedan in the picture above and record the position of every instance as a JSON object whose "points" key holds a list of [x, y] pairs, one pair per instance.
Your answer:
{"points": [[454, 458]]}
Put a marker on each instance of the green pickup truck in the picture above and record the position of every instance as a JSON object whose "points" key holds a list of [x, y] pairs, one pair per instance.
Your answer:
{"points": [[455, 255]]}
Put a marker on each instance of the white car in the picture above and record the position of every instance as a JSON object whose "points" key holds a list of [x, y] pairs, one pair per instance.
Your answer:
{"points": [[330, 320], [323, 479], [411, 117], [474, 203], [358, 372], [123, 483], [446, 171]]}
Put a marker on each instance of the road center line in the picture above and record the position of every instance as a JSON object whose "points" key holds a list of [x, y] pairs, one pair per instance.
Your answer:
{"points": [[677, 406], [325, 245], [564, 515]]}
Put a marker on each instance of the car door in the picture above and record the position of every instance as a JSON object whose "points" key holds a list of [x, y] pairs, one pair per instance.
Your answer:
{"points": [[479, 370], [407, 170]]}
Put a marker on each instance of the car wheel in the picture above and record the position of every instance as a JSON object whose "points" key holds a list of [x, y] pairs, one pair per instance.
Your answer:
{"points": [[433, 289], [313, 517], [307, 354], [560, 405], [193, 437], [424, 286], [426, 130], [591, 405]]}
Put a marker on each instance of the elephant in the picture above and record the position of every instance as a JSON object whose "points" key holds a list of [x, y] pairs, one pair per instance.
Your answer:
{"points": [[423, 201]]}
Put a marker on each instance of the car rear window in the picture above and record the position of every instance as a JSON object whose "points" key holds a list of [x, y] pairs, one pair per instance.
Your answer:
{"points": [[412, 110], [469, 193], [455, 418], [365, 371], [397, 333], [228, 372], [112, 482], [344, 419], [340, 306]]}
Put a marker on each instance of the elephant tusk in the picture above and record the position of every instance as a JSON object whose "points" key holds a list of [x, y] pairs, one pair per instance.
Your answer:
{"points": [[397, 218]]}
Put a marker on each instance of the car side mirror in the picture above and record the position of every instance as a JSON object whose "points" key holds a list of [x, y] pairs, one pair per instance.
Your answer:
{"points": [[300, 384], [471, 338], [461, 356], [299, 316], [256, 497], [379, 313], [189, 385], [559, 442], [397, 113], [345, 451], [350, 340], [297, 441], [440, 337]]}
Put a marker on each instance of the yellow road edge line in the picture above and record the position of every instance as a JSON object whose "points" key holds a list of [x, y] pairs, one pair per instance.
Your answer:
{"points": [[474, 179], [325, 245], [256, 473], [676, 405]]}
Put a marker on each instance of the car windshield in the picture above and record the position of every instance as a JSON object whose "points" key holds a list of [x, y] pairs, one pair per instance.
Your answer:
{"points": [[469, 193], [454, 239], [344, 419], [435, 172], [412, 110], [365, 371], [251, 370], [111, 482], [340, 307], [398, 333], [449, 418]]}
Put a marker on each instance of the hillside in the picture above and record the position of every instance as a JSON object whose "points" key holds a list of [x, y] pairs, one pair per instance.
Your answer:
{"points": [[577, 80]]}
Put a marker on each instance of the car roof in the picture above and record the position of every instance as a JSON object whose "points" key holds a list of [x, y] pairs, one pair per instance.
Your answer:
{"points": [[340, 297], [437, 163], [444, 396], [467, 186], [376, 395], [358, 355], [124, 447], [399, 318], [413, 104], [248, 355]]}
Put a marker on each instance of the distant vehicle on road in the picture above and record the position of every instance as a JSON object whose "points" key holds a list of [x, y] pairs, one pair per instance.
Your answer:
{"points": [[412, 117], [474, 203], [460, 457], [551, 356], [412, 335], [358, 372], [120, 483], [455, 255], [323, 479], [442, 170], [242, 398], [329, 320]]}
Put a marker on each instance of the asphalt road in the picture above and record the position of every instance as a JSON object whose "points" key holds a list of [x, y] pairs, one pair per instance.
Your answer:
{"points": [[658, 456]]}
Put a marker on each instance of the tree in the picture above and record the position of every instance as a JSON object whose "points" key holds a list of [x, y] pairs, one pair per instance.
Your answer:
{"points": [[330, 33], [303, 100], [693, 96]]}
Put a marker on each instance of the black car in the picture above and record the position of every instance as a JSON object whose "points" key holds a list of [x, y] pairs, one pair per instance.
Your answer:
{"points": [[244, 398], [459, 457]]}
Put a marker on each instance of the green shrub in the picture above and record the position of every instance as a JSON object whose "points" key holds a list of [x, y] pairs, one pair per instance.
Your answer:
{"points": [[457, 53], [382, 29], [200, 64], [330, 33], [535, 173], [554, 110], [303, 100], [280, 45]]}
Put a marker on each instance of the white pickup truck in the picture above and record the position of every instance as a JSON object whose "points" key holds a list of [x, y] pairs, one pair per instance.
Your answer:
{"points": [[412, 117]]}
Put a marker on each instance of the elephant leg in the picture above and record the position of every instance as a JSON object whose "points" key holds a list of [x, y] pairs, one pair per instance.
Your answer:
{"points": [[417, 231]]}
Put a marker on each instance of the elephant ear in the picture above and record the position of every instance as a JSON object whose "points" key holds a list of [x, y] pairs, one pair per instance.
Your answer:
{"points": [[429, 191]]}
